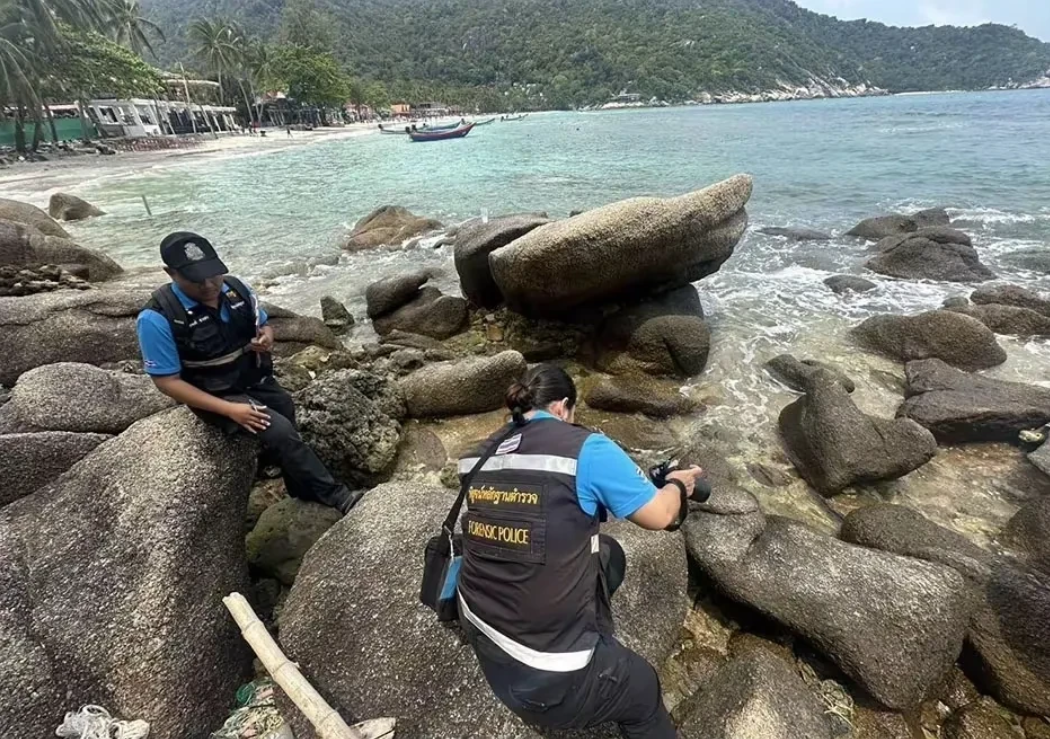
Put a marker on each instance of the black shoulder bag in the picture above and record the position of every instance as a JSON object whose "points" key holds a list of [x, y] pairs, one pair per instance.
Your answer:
{"points": [[444, 552]]}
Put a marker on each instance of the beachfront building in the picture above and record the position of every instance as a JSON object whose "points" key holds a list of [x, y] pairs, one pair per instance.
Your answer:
{"points": [[430, 110], [401, 110], [139, 118]]}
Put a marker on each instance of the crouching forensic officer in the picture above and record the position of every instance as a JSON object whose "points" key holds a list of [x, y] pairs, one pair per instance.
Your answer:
{"points": [[536, 575], [205, 342]]}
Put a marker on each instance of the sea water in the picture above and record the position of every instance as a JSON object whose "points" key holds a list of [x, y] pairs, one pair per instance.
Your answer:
{"points": [[278, 218]]}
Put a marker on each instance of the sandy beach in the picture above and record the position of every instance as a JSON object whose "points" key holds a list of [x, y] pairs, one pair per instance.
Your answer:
{"points": [[35, 181]]}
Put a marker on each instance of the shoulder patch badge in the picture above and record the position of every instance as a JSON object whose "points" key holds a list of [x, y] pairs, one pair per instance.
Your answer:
{"points": [[509, 445]]}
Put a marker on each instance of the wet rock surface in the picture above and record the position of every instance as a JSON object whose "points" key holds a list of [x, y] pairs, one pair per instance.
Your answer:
{"points": [[841, 284], [834, 445], [66, 207], [930, 254], [391, 225], [956, 339], [634, 394], [881, 227], [663, 336], [797, 373], [961, 407], [894, 624]]}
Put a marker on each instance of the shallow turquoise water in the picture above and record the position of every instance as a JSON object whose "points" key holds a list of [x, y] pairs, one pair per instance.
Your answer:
{"points": [[821, 164]]}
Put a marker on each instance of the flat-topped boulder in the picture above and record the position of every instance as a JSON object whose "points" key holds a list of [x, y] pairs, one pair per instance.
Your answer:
{"points": [[1012, 295], [475, 240], [880, 227], [390, 225], [112, 579], [842, 284], [796, 373], [959, 407], [25, 245], [427, 313], [957, 339], [66, 207], [1003, 319], [639, 394], [893, 624], [357, 570], [940, 254], [834, 445], [30, 215], [622, 249]]}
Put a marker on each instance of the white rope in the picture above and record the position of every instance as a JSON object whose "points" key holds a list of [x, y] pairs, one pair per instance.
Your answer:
{"points": [[95, 722]]}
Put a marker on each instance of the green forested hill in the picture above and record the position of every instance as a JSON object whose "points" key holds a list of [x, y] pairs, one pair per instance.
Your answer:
{"points": [[559, 53]]}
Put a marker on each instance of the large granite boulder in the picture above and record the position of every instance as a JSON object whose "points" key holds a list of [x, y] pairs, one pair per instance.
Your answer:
{"points": [[977, 722], [66, 207], [834, 445], [335, 316], [25, 245], [1012, 295], [284, 533], [29, 461], [894, 624], [881, 227], [1003, 319], [429, 313], [112, 578], [665, 335], [342, 415], [390, 225], [461, 387], [622, 249], [1041, 458], [98, 327], [369, 564], [959, 340], [20, 281], [13, 210], [959, 407], [756, 695], [944, 255], [796, 374], [69, 396], [477, 239], [1009, 634]]}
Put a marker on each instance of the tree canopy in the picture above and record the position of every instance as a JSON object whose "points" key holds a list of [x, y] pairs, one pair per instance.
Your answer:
{"points": [[558, 53]]}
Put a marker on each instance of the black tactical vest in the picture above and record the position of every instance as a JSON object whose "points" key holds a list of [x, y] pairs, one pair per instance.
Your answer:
{"points": [[530, 571], [214, 353]]}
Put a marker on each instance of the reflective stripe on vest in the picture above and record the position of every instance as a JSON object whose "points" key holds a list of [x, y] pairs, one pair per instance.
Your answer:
{"points": [[529, 462], [546, 661], [218, 361]]}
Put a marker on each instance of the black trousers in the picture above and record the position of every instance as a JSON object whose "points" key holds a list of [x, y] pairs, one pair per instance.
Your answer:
{"points": [[305, 476], [617, 686]]}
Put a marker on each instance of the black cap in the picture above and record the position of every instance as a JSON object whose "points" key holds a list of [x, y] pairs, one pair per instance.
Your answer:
{"points": [[192, 256]]}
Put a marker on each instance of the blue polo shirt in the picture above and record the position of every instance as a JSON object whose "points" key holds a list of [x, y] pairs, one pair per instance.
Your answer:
{"points": [[160, 356], [606, 476]]}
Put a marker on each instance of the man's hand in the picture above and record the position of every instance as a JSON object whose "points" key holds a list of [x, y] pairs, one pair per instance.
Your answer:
{"points": [[263, 343], [252, 419], [688, 478]]}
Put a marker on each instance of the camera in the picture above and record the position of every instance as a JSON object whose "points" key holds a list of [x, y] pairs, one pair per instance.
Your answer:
{"points": [[658, 474]]}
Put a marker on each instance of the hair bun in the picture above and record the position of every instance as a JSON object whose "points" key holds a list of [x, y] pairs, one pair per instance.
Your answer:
{"points": [[519, 398]]}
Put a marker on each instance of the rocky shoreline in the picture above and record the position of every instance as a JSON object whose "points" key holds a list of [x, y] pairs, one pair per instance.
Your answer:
{"points": [[833, 614]]}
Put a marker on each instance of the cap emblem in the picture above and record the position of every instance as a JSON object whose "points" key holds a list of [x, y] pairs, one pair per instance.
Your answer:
{"points": [[194, 253]]}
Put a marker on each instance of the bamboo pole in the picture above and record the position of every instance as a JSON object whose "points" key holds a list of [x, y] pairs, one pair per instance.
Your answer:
{"points": [[325, 719]]}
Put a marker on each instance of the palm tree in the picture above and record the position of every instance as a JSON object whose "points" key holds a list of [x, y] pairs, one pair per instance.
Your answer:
{"points": [[131, 29], [216, 45]]}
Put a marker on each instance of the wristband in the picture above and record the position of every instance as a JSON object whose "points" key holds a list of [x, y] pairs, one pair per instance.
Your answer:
{"points": [[683, 506]]}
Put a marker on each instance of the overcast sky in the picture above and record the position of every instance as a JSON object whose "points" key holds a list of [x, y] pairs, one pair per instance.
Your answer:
{"points": [[1031, 16]]}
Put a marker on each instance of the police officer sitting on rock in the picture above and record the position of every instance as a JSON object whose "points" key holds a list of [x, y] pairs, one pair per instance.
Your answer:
{"points": [[205, 342], [536, 575]]}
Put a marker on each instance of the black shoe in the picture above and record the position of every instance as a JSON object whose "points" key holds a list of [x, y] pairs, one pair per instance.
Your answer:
{"points": [[345, 499]]}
